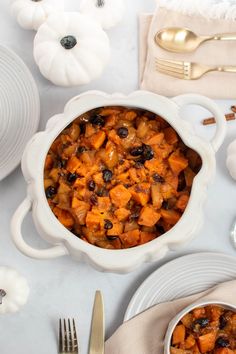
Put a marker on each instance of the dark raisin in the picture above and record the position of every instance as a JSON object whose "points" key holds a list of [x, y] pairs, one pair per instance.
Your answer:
{"points": [[71, 177], [68, 42], [222, 343], [81, 149], [148, 153], [136, 151], [108, 224], [107, 175], [223, 322], [160, 229], [157, 178], [50, 192], [91, 185], [61, 163], [94, 199], [200, 323], [123, 132], [112, 237], [96, 119]]}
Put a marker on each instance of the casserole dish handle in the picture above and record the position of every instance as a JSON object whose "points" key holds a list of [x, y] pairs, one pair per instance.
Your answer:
{"points": [[20, 243], [188, 99]]}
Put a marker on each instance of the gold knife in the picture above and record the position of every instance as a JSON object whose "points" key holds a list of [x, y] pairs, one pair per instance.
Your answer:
{"points": [[97, 334]]}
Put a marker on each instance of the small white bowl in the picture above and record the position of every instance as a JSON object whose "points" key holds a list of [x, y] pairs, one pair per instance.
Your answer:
{"points": [[177, 318]]}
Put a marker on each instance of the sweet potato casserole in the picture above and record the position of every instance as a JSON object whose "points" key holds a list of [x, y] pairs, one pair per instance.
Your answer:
{"points": [[210, 329], [119, 177]]}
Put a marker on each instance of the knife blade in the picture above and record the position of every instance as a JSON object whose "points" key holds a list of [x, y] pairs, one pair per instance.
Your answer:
{"points": [[97, 334]]}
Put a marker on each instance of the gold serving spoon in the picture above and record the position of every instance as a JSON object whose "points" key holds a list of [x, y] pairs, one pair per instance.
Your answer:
{"points": [[183, 40]]}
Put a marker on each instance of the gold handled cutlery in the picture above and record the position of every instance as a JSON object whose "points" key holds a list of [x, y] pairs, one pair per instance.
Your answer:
{"points": [[68, 342], [183, 40], [97, 335], [186, 70]]}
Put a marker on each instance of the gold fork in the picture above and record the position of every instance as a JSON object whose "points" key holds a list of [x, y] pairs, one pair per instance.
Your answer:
{"points": [[186, 70], [68, 342]]}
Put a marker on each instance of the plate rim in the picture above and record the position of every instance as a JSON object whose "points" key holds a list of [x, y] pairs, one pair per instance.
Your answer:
{"points": [[35, 92], [169, 263]]}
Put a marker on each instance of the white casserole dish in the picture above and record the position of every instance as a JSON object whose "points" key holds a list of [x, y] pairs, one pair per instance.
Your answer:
{"points": [[63, 241]]}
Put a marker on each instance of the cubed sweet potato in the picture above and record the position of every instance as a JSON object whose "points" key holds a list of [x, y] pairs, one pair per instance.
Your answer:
{"points": [[182, 202], [48, 162], [120, 196], [73, 164], [97, 139], [146, 237], [141, 193], [80, 211], [155, 139], [122, 214], [178, 334], [104, 203], [206, 342], [189, 342], [171, 136], [187, 320], [170, 216], [64, 217], [130, 238], [148, 216], [177, 162]]}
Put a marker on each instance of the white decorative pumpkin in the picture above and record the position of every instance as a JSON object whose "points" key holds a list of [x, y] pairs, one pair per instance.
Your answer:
{"points": [[231, 159], [108, 12], [14, 290], [71, 49], [30, 14]]}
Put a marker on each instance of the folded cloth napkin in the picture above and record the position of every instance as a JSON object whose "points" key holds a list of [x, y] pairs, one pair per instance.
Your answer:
{"points": [[207, 17], [145, 333]]}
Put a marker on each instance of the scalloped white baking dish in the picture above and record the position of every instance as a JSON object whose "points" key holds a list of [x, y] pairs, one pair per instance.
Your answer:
{"points": [[62, 241]]}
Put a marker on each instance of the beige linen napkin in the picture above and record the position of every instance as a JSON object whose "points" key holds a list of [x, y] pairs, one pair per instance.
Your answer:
{"points": [[215, 85], [144, 334]]}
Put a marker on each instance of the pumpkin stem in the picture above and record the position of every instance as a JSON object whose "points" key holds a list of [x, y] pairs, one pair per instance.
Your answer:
{"points": [[2, 294], [100, 3]]}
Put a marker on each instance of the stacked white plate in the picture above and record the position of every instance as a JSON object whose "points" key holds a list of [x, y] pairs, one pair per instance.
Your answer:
{"points": [[19, 109]]}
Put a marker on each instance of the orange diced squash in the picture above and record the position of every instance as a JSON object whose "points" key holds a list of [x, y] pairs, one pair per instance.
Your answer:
{"points": [[120, 196], [130, 238], [73, 164], [170, 135], [64, 217], [80, 211], [199, 312], [93, 220], [224, 351], [48, 162], [148, 216], [178, 334], [187, 320], [170, 216], [189, 342], [206, 342], [98, 179], [116, 230], [177, 162], [141, 193], [122, 214], [155, 139], [174, 350], [146, 237], [182, 202], [104, 203], [97, 139]]}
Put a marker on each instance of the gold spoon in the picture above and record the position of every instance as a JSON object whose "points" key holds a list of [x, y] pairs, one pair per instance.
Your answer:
{"points": [[183, 40]]}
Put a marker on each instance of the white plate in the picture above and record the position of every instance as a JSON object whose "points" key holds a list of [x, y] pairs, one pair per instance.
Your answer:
{"points": [[182, 277], [19, 109]]}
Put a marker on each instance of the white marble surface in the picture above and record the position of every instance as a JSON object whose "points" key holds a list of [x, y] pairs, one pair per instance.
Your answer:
{"points": [[63, 287]]}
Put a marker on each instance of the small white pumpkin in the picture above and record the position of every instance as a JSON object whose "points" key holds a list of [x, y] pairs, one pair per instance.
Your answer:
{"points": [[30, 14], [231, 159], [71, 49], [108, 12], [14, 290]]}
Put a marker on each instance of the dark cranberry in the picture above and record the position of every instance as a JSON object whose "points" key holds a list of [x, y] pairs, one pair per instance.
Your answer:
{"points": [[96, 119], [157, 178], [71, 177], [107, 175], [81, 149], [112, 237], [222, 343], [136, 151], [61, 163], [148, 153], [223, 322], [91, 185], [200, 323], [94, 199], [123, 132], [68, 42], [50, 192], [108, 224]]}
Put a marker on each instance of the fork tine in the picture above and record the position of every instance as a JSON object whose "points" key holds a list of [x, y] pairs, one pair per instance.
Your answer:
{"points": [[175, 63], [170, 68], [61, 341], [75, 341], [71, 347], [65, 338], [170, 73]]}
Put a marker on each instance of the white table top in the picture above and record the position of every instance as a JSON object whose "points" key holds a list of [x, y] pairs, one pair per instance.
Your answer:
{"points": [[62, 287]]}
